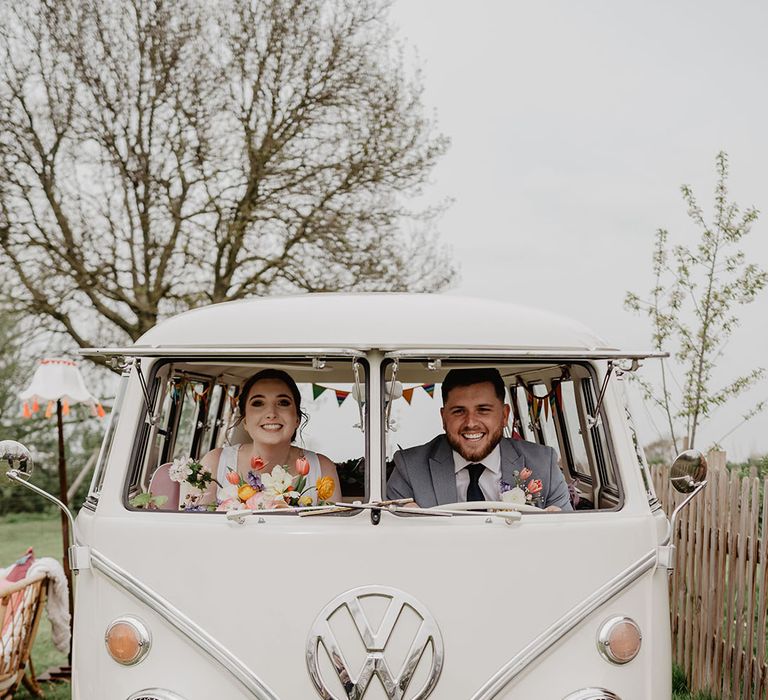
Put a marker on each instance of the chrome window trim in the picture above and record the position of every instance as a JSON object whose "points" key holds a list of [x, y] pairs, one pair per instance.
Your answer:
{"points": [[555, 632], [204, 351], [545, 353], [192, 631]]}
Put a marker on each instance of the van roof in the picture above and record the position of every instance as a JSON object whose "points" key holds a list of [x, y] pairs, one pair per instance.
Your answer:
{"points": [[378, 320]]}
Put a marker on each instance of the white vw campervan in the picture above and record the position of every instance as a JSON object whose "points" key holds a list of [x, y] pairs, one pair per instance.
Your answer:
{"points": [[185, 595]]}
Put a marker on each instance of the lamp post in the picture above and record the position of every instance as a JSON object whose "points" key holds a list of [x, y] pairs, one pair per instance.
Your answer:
{"points": [[58, 384]]}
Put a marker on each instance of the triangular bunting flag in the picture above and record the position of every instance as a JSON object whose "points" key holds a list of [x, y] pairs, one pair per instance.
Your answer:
{"points": [[340, 395], [429, 388], [317, 390], [49, 409], [408, 395], [64, 408], [27, 412]]}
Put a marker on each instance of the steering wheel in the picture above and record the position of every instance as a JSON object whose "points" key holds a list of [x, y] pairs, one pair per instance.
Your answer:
{"points": [[488, 505]]}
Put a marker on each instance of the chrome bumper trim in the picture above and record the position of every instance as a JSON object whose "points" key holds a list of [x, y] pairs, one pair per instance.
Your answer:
{"points": [[565, 624], [225, 658]]}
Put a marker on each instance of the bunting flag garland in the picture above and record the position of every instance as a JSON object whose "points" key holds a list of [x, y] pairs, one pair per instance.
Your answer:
{"points": [[341, 394], [202, 396], [317, 390]]}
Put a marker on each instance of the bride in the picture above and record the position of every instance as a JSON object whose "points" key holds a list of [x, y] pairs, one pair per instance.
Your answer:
{"points": [[270, 413]]}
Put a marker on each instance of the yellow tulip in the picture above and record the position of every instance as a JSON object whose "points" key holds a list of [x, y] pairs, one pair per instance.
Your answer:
{"points": [[245, 492], [325, 487]]}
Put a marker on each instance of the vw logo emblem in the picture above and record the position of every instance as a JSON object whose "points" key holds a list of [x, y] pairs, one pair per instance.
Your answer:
{"points": [[322, 641]]}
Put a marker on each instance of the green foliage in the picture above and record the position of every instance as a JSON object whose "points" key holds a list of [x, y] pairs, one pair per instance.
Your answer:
{"points": [[693, 309], [148, 500]]}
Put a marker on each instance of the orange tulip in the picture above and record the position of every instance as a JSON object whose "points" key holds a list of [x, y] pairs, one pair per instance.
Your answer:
{"points": [[257, 463], [525, 473], [233, 477]]}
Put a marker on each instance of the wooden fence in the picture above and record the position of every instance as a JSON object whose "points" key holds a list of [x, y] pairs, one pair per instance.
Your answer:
{"points": [[719, 585]]}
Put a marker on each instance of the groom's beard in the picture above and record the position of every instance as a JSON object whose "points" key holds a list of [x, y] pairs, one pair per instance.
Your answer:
{"points": [[477, 452]]}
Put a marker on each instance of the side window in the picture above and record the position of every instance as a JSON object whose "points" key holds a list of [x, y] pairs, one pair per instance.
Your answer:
{"points": [[575, 428], [607, 477], [543, 414], [106, 445]]}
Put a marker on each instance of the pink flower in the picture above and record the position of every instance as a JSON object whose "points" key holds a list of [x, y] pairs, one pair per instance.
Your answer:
{"points": [[233, 477], [228, 504], [302, 466], [258, 501], [534, 486], [525, 473], [257, 463]]}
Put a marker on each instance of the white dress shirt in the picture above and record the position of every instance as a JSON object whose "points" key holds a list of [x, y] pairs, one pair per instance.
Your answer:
{"points": [[489, 479]]}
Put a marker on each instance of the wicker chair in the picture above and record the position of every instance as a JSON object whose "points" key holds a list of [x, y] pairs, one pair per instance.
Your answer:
{"points": [[21, 606]]}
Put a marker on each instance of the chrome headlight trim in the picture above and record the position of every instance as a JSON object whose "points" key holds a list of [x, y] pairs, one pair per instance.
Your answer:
{"points": [[155, 694], [145, 638], [592, 694], [604, 636]]}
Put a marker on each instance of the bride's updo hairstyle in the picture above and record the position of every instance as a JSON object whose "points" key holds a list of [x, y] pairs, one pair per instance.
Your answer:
{"points": [[281, 376]]}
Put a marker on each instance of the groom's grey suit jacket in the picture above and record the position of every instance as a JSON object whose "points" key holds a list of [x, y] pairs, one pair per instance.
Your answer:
{"points": [[427, 474]]}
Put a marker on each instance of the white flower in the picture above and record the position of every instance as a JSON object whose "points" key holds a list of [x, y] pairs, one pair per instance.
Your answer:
{"points": [[180, 470], [276, 483], [227, 492], [514, 495]]}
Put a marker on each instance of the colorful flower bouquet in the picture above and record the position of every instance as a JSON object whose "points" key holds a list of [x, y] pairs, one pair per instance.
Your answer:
{"points": [[186, 470], [525, 491], [278, 489]]}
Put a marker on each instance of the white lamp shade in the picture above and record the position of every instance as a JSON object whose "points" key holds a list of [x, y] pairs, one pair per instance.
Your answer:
{"points": [[58, 380]]}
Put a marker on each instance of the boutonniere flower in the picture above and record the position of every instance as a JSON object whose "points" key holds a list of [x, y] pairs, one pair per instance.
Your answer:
{"points": [[525, 491]]}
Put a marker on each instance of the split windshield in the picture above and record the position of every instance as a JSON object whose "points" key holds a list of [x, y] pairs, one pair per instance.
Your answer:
{"points": [[198, 428]]}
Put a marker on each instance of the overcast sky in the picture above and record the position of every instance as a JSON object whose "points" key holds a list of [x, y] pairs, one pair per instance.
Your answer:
{"points": [[573, 125]]}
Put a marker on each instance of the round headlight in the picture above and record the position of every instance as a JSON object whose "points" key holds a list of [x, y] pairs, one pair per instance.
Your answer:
{"points": [[128, 640], [619, 640]]}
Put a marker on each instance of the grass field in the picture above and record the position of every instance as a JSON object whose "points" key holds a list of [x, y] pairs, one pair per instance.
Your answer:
{"points": [[43, 532]]}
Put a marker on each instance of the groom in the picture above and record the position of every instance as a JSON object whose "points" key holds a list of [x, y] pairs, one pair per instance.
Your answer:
{"points": [[472, 461]]}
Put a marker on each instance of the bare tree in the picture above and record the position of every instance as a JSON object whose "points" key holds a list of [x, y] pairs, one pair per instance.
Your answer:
{"points": [[156, 155], [693, 310]]}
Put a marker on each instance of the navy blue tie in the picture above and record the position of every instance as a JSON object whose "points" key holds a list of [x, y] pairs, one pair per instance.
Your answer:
{"points": [[474, 492]]}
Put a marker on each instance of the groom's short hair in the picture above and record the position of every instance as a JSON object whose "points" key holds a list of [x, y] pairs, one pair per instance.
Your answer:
{"points": [[468, 377]]}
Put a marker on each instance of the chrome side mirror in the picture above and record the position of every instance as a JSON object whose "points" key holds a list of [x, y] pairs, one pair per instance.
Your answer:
{"points": [[688, 471], [17, 456]]}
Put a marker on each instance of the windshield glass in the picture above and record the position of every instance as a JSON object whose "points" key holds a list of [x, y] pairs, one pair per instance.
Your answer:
{"points": [[527, 423], [251, 434]]}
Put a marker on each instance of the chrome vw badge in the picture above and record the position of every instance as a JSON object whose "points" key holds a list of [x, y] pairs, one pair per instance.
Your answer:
{"points": [[380, 649]]}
